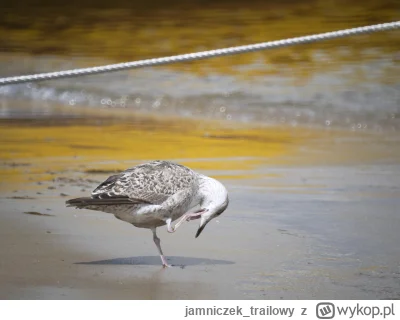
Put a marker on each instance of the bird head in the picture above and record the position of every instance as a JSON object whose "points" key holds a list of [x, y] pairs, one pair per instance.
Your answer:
{"points": [[215, 201]]}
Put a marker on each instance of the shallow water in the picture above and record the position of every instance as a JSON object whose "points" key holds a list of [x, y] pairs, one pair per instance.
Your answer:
{"points": [[351, 83], [325, 99]]}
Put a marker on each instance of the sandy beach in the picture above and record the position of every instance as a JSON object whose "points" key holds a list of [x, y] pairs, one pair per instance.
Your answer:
{"points": [[305, 221], [305, 138]]}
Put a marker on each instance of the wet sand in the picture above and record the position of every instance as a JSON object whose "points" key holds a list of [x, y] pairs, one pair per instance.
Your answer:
{"points": [[314, 213], [312, 216]]}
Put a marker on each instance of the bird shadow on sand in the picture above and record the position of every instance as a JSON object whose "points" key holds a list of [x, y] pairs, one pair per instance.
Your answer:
{"points": [[155, 261]]}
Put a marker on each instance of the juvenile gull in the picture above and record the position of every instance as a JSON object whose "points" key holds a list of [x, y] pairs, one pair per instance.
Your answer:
{"points": [[157, 193]]}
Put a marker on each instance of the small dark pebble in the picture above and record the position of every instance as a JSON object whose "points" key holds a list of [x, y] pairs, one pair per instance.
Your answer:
{"points": [[38, 193], [39, 183], [51, 188], [48, 231], [63, 195]]}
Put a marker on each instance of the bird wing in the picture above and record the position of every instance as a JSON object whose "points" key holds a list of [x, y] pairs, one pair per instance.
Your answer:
{"points": [[152, 182]]}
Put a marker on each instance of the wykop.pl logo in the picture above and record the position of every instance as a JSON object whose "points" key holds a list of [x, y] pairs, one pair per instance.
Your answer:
{"points": [[325, 310]]}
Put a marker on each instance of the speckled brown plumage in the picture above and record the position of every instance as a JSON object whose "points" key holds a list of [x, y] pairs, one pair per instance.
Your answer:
{"points": [[156, 193]]}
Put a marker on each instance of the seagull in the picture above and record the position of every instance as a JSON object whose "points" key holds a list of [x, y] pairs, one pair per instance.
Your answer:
{"points": [[157, 193]]}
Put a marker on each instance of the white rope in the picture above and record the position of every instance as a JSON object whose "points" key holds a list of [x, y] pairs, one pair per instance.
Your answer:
{"points": [[200, 55]]}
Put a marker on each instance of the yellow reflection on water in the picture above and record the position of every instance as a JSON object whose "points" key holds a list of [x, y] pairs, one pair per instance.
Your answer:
{"points": [[131, 30], [42, 150]]}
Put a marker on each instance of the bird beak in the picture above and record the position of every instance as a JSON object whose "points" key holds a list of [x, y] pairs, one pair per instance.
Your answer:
{"points": [[203, 223]]}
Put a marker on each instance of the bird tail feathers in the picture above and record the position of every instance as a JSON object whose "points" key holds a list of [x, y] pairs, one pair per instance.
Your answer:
{"points": [[87, 201]]}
